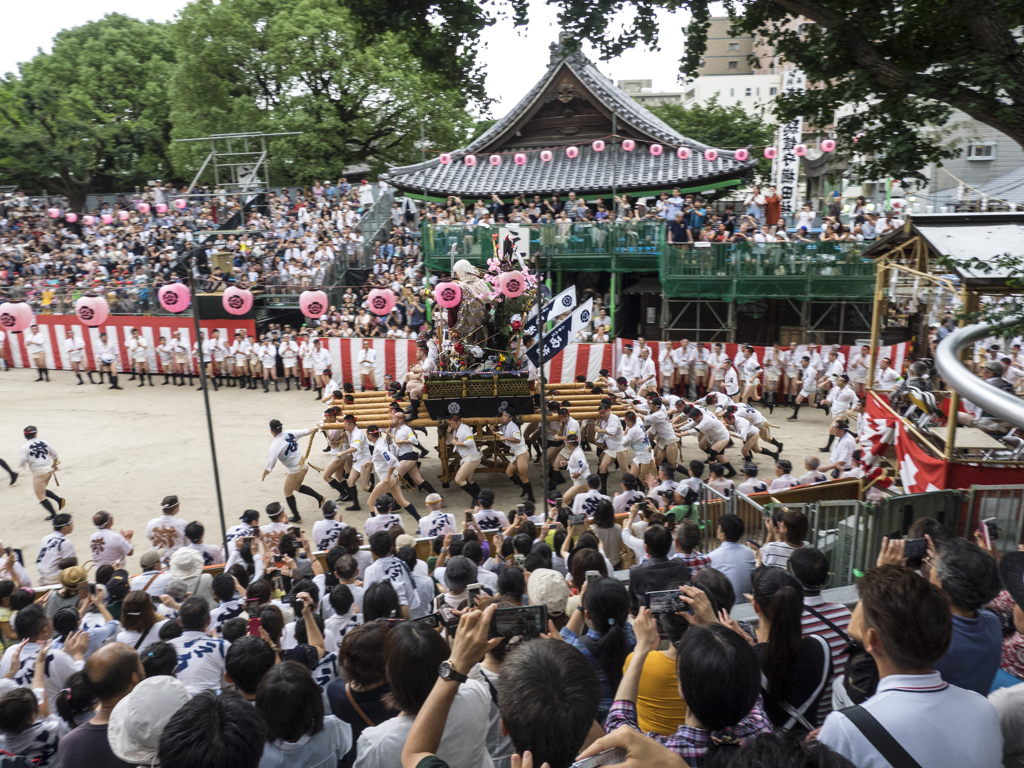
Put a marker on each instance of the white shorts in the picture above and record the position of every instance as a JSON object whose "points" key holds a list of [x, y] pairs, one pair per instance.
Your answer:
{"points": [[807, 392], [180, 359], [77, 358], [566, 452], [700, 369], [612, 446], [718, 375], [368, 367], [106, 359], [580, 483], [663, 443], [240, 359], [289, 362], [142, 359], [859, 378], [771, 376], [306, 365], [268, 362], [644, 458], [472, 457], [316, 371], [293, 470], [166, 362], [520, 449], [41, 472]]}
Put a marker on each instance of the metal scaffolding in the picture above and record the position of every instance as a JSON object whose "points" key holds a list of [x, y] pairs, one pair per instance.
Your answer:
{"points": [[238, 164]]}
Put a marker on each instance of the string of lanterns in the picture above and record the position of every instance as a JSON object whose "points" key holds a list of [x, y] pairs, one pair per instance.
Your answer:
{"points": [[628, 145], [108, 218]]}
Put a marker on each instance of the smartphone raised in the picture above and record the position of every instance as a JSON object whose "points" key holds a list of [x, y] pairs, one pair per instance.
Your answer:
{"points": [[472, 593], [915, 548], [521, 509], [667, 601], [990, 531], [577, 519], [615, 756], [592, 575], [456, 537], [432, 620], [252, 607], [518, 560], [526, 620]]}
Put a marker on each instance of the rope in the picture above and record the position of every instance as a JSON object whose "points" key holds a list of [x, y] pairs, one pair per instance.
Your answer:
{"points": [[984, 195]]}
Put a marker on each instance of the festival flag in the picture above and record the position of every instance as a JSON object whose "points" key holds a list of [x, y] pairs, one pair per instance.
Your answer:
{"points": [[563, 333], [562, 303]]}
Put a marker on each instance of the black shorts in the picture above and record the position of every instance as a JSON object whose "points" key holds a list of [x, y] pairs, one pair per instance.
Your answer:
{"points": [[556, 443], [412, 456]]}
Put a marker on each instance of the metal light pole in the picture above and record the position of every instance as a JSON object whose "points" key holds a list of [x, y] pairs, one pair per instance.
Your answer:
{"points": [[544, 470], [206, 393]]}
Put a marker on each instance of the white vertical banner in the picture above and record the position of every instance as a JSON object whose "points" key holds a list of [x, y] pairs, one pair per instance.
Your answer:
{"points": [[514, 243], [790, 134]]}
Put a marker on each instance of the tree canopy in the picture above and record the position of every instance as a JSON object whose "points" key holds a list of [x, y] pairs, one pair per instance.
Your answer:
{"points": [[262, 65], [92, 114], [719, 125], [901, 68]]}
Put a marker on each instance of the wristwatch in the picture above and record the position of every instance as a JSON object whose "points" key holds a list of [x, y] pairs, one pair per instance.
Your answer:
{"points": [[448, 672]]}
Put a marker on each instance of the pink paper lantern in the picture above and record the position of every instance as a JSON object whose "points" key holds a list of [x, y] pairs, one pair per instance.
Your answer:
{"points": [[546, 156], [470, 160], [828, 145], [54, 213], [88, 220], [494, 159], [512, 284], [572, 152], [656, 149], [237, 301], [598, 146], [106, 218], [448, 295], [174, 297], [313, 303], [629, 145], [123, 215], [770, 153], [143, 207], [800, 150], [519, 158], [711, 155], [15, 316], [181, 204], [683, 153], [742, 155], [92, 310], [445, 158], [161, 207], [381, 301], [71, 217]]}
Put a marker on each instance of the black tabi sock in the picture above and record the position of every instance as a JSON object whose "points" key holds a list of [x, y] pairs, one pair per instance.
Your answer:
{"points": [[828, 445], [729, 471], [796, 409], [337, 485], [3, 464], [79, 378], [515, 479], [310, 492], [48, 507], [427, 487], [528, 487], [353, 496], [411, 509], [292, 505]]}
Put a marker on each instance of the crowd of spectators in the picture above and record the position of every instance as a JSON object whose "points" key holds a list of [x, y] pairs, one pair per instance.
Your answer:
{"points": [[367, 659]]}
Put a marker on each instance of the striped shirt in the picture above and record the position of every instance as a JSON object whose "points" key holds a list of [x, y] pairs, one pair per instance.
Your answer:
{"points": [[812, 625], [695, 561]]}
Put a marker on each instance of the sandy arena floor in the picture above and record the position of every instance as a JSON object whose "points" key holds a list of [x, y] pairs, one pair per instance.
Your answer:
{"points": [[124, 451]]}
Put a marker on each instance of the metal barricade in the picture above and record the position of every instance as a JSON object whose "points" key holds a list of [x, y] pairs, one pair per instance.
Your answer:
{"points": [[1003, 502]]}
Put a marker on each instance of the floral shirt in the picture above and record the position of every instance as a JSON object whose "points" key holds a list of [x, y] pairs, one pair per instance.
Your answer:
{"points": [[1013, 642]]}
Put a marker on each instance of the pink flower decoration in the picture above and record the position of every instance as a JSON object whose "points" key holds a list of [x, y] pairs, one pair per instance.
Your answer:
{"points": [[519, 158], [71, 217], [88, 220], [106, 218], [683, 153], [181, 203], [742, 155], [54, 213], [445, 158], [123, 215], [711, 155], [92, 310], [546, 156], [143, 207], [828, 145], [597, 146], [494, 159], [656, 149], [770, 153], [572, 152], [470, 160], [800, 150], [161, 207], [629, 145]]}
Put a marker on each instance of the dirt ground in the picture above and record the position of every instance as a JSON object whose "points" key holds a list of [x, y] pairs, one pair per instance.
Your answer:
{"points": [[124, 451]]}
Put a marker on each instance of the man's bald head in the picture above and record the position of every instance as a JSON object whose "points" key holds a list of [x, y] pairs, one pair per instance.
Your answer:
{"points": [[112, 671]]}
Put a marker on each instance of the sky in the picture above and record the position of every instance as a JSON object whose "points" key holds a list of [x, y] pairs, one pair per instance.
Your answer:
{"points": [[514, 59]]}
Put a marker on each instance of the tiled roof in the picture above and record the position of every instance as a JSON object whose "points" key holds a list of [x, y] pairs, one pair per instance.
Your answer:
{"points": [[590, 171]]}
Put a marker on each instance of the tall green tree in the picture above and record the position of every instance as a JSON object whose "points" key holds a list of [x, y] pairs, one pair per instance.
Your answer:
{"points": [[92, 116], [248, 65], [902, 67], [720, 125]]}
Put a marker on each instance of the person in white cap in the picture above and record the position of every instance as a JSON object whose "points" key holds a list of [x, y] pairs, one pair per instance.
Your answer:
{"points": [[137, 721], [35, 340], [436, 522], [547, 587], [187, 565]]}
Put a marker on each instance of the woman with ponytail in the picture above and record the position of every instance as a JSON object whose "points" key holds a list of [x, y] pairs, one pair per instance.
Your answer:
{"points": [[605, 605], [795, 670]]}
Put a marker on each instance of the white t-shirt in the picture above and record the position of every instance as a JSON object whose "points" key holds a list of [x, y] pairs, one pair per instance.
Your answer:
{"points": [[586, 503], [58, 666], [463, 743], [437, 524], [200, 661], [36, 455], [392, 569], [326, 533], [381, 523], [109, 546], [285, 448], [384, 459], [53, 548], [469, 451], [489, 519], [166, 532]]}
